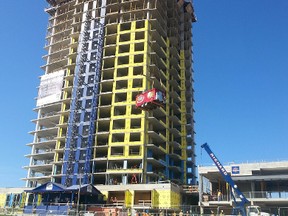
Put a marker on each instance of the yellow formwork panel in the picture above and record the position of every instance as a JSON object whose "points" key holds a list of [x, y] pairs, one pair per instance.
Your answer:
{"points": [[2, 199], [105, 193], [62, 117], [23, 199], [183, 100], [168, 136], [132, 63], [162, 198], [129, 197], [182, 54], [154, 199], [145, 59], [39, 199], [59, 134], [165, 199], [175, 199], [183, 109]]}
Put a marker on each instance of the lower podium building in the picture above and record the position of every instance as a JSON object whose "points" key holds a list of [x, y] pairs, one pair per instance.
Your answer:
{"points": [[264, 184]]}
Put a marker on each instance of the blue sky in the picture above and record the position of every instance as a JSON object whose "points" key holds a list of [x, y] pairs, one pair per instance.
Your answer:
{"points": [[240, 64]]}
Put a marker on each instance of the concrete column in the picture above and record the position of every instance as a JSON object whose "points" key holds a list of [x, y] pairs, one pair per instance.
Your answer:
{"points": [[200, 188], [252, 189]]}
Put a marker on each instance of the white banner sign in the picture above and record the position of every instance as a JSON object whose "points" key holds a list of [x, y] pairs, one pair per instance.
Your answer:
{"points": [[50, 88]]}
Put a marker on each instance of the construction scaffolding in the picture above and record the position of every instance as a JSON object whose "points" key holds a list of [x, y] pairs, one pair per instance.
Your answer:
{"points": [[81, 125]]}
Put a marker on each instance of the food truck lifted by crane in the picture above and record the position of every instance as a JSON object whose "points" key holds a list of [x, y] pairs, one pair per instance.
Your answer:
{"points": [[150, 100]]}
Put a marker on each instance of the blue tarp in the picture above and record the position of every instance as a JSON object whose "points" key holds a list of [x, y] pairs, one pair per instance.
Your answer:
{"points": [[51, 187], [86, 188], [55, 197], [48, 187]]}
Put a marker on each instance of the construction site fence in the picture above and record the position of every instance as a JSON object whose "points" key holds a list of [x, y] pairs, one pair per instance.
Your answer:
{"points": [[221, 211], [92, 210]]}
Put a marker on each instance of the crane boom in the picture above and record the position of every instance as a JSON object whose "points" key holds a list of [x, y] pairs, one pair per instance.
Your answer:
{"points": [[240, 206]]}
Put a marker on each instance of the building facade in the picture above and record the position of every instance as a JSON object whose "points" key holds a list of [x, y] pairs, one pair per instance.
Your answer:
{"points": [[264, 184], [100, 56]]}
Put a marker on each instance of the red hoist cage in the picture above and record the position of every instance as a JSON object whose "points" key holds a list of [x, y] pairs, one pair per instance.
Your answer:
{"points": [[150, 99]]}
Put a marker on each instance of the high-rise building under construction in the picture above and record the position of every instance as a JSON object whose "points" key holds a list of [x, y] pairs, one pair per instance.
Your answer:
{"points": [[101, 54]]}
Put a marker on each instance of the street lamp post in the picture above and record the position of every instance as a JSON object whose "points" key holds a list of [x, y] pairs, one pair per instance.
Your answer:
{"points": [[78, 197]]}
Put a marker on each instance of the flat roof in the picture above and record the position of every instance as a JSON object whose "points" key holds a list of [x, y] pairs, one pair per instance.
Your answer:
{"points": [[248, 171]]}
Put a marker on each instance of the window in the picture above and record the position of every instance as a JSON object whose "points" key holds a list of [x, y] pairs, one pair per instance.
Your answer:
{"points": [[138, 58], [135, 111], [139, 35], [77, 117], [95, 32], [88, 103], [84, 142], [134, 137], [93, 56], [85, 130], [138, 70], [118, 137], [119, 110], [120, 97], [125, 26], [117, 151], [119, 124], [139, 47], [89, 91], [95, 44], [137, 83], [84, 57], [140, 24], [124, 37], [92, 67], [121, 72], [86, 46], [91, 79], [135, 123], [123, 60], [124, 48], [79, 103], [121, 84], [134, 150], [87, 116]]}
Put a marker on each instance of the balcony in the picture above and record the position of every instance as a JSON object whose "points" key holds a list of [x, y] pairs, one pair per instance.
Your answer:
{"points": [[48, 121], [41, 132], [47, 142], [157, 123], [47, 154], [40, 167], [256, 196], [157, 136]]}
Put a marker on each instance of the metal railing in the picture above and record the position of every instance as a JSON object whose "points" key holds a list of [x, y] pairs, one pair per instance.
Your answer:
{"points": [[267, 195]]}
